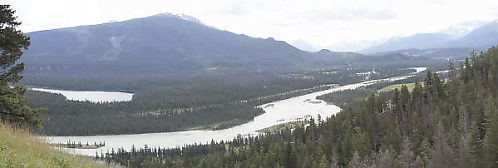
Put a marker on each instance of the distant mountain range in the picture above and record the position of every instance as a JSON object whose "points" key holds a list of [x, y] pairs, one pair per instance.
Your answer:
{"points": [[417, 41], [482, 37], [435, 53], [159, 45], [167, 44], [479, 38]]}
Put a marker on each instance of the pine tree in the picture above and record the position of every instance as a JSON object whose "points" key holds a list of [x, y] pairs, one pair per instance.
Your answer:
{"points": [[428, 81], [442, 154], [475, 144], [407, 156], [382, 159], [464, 159], [492, 141], [356, 162], [361, 143], [13, 104]]}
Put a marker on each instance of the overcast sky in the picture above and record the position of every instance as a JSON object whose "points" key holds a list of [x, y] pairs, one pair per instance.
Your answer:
{"points": [[339, 25]]}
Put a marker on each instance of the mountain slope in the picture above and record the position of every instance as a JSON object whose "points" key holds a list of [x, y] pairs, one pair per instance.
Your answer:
{"points": [[480, 38], [434, 125], [435, 53], [417, 41], [161, 44]]}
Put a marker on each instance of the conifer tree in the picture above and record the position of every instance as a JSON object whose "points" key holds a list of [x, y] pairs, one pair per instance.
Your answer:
{"points": [[442, 155], [475, 144], [492, 142], [13, 104]]}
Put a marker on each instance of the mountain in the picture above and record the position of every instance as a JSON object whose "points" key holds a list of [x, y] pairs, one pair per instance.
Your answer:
{"points": [[417, 41], [168, 45], [389, 57], [160, 44], [477, 39], [434, 53], [326, 55], [482, 37], [357, 58]]}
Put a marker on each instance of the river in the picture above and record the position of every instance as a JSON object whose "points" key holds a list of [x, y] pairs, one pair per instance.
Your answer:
{"points": [[278, 112]]}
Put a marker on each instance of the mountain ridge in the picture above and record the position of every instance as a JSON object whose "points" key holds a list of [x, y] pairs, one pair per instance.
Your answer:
{"points": [[479, 38], [170, 39], [416, 41]]}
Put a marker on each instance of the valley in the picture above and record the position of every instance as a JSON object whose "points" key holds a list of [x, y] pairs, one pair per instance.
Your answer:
{"points": [[254, 84], [176, 105], [293, 109]]}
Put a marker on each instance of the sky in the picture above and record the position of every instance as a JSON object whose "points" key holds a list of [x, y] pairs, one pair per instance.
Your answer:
{"points": [[337, 25]]}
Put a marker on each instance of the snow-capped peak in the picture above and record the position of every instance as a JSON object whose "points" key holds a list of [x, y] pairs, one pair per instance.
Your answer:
{"points": [[181, 16]]}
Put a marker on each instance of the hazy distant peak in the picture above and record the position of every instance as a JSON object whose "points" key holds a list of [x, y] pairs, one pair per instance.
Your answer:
{"points": [[474, 34], [416, 41], [180, 16], [324, 51]]}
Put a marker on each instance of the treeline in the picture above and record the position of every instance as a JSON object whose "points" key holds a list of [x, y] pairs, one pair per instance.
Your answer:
{"points": [[438, 124], [84, 118], [344, 97], [163, 105]]}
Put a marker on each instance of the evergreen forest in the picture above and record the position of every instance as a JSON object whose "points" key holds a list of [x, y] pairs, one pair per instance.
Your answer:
{"points": [[442, 122]]}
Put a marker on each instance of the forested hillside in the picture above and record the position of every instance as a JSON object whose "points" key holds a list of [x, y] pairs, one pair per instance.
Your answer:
{"points": [[209, 102], [159, 46], [184, 74], [442, 123]]}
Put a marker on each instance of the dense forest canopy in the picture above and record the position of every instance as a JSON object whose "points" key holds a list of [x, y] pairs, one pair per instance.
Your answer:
{"points": [[217, 101], [181, 70], [186, 75], [440, 123], [13, 104]]}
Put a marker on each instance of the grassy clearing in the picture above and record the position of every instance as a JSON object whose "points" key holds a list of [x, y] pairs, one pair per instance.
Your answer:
{"points": [[283, 126], [410, 87], [19, 148]]}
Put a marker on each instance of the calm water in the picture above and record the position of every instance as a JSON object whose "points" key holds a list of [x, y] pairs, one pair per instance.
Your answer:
{"points": [[417, 69], [92, 96], [288, 110]]}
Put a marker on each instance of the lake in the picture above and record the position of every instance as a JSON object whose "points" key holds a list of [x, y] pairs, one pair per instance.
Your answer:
{"points": [[278, 112], [92, 96]]}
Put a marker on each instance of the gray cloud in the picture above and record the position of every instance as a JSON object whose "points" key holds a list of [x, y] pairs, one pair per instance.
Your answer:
{"points": [[352, 14]]}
